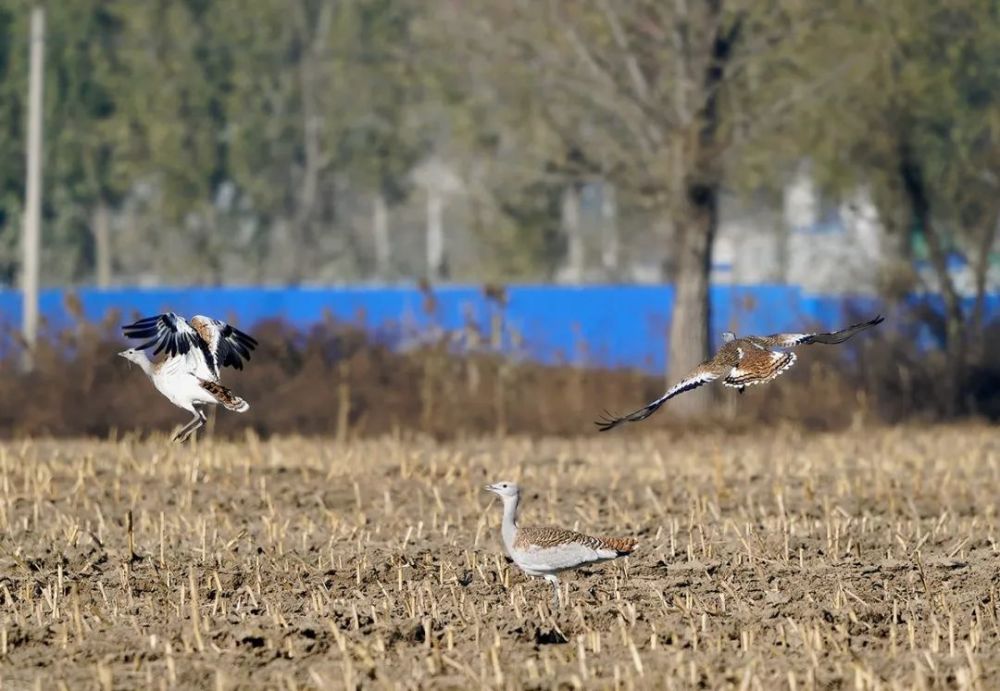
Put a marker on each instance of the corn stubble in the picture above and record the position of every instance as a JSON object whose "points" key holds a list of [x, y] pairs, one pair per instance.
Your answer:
{"points": [[861, 560]]}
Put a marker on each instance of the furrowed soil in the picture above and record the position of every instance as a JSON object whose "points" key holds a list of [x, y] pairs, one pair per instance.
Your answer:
{"points": [[860, 559]]}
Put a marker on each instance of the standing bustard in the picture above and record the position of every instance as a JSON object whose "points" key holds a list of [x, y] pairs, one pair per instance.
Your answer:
{"points": [[545, 551], [742, 362], [196, 351]]}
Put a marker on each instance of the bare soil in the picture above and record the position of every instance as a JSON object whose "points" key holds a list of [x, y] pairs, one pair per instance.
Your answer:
{"points": [[858, 559]]}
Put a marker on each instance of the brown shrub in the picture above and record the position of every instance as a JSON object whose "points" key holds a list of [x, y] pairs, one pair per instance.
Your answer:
{"points": [[334, 380]]}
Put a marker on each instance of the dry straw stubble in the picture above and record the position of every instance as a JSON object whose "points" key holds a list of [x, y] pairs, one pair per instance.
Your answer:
{"points": [[766, 562]]}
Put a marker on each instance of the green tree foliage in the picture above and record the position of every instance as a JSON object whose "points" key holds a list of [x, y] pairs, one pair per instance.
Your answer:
{"points": [[97, 120], [319, 90], [215, 132], [915, 117], [13, 86]]}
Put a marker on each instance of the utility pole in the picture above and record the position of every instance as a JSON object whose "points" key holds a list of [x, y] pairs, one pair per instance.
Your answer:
{"points": [[31, 238]]}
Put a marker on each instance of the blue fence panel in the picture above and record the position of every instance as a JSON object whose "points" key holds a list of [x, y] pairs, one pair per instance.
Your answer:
{"points": [[607, 325]]}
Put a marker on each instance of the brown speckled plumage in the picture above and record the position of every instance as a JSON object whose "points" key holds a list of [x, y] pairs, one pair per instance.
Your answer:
{"points": [[546, 536], [742, 362], [759, 366], [223, 395]]}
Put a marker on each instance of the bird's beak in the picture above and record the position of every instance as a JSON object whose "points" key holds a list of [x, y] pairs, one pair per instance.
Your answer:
{"points": [[490, 488]]}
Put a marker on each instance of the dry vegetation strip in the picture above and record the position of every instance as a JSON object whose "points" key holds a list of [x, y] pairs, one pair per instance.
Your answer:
{"points": [[781, 560], [334, 380]]}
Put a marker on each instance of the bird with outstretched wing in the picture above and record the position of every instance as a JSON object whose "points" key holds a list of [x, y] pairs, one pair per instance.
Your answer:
{"points": [[741, 362], [209, 344]]}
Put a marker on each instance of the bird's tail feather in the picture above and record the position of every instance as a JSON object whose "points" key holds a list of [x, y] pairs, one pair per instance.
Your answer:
{"points": [[622, 545], [225, 396]]}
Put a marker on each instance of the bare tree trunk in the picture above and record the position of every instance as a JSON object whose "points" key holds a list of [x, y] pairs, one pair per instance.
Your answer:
{"points": [[315, 36], [574, 235], [690, 322], [609, 230], [280, 265], [898, 274], [955, 334], [210, 246], [435, 232], [380, 230], [666, 232], [691, 317], [981, 266], [101, 228], [305, 204]]}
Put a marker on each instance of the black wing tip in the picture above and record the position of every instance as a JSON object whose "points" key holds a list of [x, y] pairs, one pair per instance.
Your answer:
{"points": [[133, 331], [154, 318], [877, 319], [867, 324], [153, 322], [608, 421], [138, 326]]}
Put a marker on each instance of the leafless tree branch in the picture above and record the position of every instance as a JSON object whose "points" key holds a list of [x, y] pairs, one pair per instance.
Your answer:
{"points": [[639, 83]]}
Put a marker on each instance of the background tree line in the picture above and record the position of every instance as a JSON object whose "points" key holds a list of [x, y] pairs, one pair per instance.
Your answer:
{"points": [[197, 141]]}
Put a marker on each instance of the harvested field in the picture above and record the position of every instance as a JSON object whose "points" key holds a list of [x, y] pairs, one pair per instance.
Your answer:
{"points": [[860, 559]]}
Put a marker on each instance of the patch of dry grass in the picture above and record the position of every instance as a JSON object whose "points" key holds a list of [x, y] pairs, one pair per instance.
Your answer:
{"points": [[780, 560]]}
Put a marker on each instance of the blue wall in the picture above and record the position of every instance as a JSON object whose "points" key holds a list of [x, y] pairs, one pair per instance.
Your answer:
{"points": [[589, 325]]}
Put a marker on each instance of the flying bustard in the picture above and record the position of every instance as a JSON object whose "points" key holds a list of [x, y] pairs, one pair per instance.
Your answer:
{"points": [[545, 551], [742, 362], [190, 375]]}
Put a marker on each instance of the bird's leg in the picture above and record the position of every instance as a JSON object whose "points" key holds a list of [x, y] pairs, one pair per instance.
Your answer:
{"points": [[194, 425], [184, 432], [555, 590], [188, 430], [201, 421], [194, 428], [741, 390]]}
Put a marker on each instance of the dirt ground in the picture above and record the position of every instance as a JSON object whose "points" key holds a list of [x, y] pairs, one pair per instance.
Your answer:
{"points": [[865, 559]]}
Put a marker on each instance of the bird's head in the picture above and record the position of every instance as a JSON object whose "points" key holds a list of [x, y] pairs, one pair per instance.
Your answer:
{"points": [[728, 336], [503, 489], [132, 355]]}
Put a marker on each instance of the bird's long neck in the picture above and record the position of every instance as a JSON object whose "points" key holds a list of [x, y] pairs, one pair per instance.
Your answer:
{"points": [[145, 365], [508, 528]]}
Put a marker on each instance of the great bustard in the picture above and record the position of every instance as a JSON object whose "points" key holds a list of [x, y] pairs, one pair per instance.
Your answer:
{"points": [[545, 551], [189, 377], [742, 362]]}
